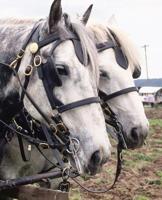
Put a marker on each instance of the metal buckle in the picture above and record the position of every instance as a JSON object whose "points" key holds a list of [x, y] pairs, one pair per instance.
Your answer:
{"points": [[64, 186], [74, 145], [107, 111], [54, 129], [61, 128], [14, 63], [17, 126], [65, 173], [73, 150], [21, 53], [28, 70], [37, 61], [44, 145]]}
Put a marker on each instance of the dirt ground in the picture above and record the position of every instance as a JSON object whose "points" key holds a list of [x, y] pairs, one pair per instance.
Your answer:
{"points": [[141, 177]]}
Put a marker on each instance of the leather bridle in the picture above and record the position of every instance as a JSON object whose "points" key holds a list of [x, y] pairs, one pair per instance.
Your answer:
{"points": [[55, 130], [123, 62]]}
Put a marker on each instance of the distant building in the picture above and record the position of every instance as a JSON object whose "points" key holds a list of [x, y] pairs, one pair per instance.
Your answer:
{"points": [[150, 90], [148, 82]]}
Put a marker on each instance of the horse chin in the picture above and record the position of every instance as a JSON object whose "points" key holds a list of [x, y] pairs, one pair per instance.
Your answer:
{"points": [[86, 170], [92, 170], [130, 144], [133, 146]]}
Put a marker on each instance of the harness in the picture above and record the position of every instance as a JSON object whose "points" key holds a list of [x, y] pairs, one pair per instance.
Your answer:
{"points": [[55, 133], [110, 116]]}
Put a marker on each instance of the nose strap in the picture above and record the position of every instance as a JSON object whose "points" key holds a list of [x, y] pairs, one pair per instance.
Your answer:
{"points": [[77, 104], [106, 97]]}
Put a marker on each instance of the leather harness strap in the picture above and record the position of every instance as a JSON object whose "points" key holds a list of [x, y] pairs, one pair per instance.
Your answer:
{"points": [[106, 97], [77, 104]]}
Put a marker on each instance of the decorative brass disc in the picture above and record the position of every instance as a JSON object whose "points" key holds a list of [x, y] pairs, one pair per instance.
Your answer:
{"points": [[33, 47]]}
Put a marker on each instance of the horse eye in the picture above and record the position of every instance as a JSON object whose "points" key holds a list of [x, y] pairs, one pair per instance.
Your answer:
{"points": [[62, 70], [104, 74]]}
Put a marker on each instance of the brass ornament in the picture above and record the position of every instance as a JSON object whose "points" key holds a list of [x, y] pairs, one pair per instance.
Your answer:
{"points": [[33, 47]]}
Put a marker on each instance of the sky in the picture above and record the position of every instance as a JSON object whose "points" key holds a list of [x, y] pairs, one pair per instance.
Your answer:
{"points": [[141, 19]]}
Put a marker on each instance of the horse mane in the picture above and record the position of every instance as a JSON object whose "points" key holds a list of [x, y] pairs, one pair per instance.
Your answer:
{"points": [[102, 33]]}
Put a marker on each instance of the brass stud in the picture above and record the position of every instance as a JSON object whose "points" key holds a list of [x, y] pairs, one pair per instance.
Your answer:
{"points": [[33, 47]]}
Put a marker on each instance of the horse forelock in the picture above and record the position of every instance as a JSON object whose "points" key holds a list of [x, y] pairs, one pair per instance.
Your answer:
{"points": [[102, 34]]}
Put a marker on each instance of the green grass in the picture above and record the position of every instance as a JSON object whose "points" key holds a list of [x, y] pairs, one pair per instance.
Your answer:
{"points": [[154, 181], [159, 173], [155, 122], [75, 194], [141, 156], [141, 197]]}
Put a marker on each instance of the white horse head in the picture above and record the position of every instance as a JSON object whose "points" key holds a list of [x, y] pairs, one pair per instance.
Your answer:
{"points": [[119, 64], [79, 81]]}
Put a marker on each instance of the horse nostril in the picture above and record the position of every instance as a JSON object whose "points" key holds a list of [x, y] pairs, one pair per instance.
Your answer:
{"points": [[96, 158], [134, 134]]}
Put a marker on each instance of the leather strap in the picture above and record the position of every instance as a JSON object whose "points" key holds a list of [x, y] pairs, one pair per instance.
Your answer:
{"points": [[105, 45], [56, 153], [106, 97], [77, 104]]}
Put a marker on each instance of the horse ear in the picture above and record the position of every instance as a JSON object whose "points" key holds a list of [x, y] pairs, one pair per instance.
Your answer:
{"points": [[87, 14], [55, 15], [112, 20]]}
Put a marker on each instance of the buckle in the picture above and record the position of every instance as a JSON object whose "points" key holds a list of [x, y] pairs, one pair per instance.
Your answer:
{"points": [[54, 129], [44, 145], [20, 54], [37, 61], [28, 70], [61, 128], [107, 111], [14, 63]]}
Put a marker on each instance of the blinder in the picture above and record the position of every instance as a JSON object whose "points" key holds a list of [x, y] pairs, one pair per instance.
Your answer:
{"points": [[78, 50], [119, 55], [51, 73], [121, 58]]}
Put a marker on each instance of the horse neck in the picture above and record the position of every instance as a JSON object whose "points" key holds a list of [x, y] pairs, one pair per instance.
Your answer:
{"points": [[12, 38]]}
